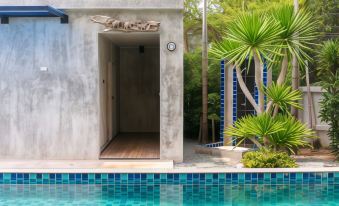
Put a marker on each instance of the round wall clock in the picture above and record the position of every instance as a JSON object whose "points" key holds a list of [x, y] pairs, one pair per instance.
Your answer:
{"points": [[171, 46]]}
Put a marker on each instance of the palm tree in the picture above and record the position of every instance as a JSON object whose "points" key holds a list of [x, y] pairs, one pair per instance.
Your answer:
{"points": [[328, 64], [293, 23], [273, 130], [295, 66], [281, 133], [254, 37], [204, 76]]}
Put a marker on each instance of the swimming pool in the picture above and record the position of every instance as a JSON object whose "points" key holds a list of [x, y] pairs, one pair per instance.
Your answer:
{"points": [[170, 189]]}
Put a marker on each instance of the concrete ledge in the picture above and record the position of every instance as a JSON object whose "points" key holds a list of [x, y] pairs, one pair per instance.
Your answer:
{"points": [[82, 165], [234, 153], [181, 170], [99, 4], [315, 89], [322, 127]]}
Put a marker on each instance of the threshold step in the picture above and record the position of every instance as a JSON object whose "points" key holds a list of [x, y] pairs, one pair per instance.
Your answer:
{"points": [[7, 165]]}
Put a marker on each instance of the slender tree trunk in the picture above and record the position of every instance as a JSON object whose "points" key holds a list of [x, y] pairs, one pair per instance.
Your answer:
{"points": [[200, 126], [256, 142], [213, 130], [258, 82], [186, 47], [309, 99], [283, 71], [243, 5], [245, 90], [204, 76], [295, 67]]}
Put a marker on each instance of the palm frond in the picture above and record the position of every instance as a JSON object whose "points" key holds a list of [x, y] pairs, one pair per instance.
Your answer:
{"points": [[252, 126], [249, 34], [294, 135], [283, 96], [300, 31]]}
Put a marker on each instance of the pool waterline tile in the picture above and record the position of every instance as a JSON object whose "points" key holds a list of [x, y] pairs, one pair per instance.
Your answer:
{"points": [[172, 178]]}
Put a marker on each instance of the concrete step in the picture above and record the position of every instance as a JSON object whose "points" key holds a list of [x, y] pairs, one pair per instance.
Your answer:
{"points": [[80, 165]]}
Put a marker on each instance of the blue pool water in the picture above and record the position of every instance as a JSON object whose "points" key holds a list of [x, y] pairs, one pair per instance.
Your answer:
{"points": [[170, 194]]}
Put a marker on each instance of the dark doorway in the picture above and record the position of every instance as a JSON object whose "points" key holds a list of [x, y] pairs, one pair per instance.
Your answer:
{"points": [[133, 105]]}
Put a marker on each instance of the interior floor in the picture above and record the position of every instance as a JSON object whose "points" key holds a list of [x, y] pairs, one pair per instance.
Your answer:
{"points": [[133, 146]]}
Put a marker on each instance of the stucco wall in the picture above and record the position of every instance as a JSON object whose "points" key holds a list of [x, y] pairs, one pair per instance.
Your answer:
{"points": [[321, 128], [101, 4], [105, 50], [56, 114]]}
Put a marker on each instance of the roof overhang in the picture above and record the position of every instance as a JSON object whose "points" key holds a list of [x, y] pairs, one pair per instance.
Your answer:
{"points": [[7, 12]]}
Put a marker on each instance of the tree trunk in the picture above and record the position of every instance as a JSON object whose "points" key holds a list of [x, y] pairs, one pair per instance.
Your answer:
{"points": [[295, 67], [258, 82], [186, 47], [245, 90], [200, 126], [309, 99], [283, 71], [204, 76], [213, 130]]}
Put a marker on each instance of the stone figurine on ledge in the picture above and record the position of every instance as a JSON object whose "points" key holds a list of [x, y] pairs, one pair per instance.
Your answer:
{"points": [[125, 26]]}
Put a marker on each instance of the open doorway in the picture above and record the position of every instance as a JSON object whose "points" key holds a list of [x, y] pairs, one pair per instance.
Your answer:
{"points": [[130, 100]]}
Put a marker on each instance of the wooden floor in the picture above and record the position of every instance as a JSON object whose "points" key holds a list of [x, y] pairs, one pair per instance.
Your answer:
{"points": [[133, 146]]}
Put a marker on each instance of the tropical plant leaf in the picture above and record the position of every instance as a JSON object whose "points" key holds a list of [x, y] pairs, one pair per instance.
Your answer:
{"points": [[299, 31], [247, 35], [252, 126], [294, 135], [282, 96]]}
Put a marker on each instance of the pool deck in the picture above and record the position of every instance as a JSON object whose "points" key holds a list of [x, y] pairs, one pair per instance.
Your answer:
{"points": [[193, 163], [130, 167]]}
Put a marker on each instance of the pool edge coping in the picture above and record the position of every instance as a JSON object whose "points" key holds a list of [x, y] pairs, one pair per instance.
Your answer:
{"points": [[169, 171]]}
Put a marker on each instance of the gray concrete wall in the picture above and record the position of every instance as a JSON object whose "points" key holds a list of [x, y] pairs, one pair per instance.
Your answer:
{"points": [[321, 128], [51, 114], [115, 90], [101, 4], [56, 114], [139, 90], [105, 59]]}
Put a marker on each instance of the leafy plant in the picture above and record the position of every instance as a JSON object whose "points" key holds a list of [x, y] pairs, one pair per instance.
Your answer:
{"points": [[265, 158], [299, 32], [250, 36], [251, 126], [280, 133], [192, 91], [282, 97], [328, 72], [293, 136]]}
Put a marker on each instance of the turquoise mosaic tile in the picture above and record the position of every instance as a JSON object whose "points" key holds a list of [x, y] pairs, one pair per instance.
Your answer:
{"points": [[174, 179]]}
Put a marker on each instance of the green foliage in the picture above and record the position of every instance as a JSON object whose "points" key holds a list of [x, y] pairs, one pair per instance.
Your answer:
{"points": [[300, 23], [281, 133], [324, 12], [220, 14], [252, 126], [282, 96], [253, 34], [329, 75], [265, 158], [293, 136], [192, 91], [328, 59]]}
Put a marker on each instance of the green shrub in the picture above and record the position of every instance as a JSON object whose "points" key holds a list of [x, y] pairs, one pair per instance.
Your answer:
{"points": [[265, 158]]}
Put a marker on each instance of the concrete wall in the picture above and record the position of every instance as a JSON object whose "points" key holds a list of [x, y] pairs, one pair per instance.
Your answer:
{"points": [[101, 4], [52, 114], [56, 114], [115, 91], [105, 59], [321, 128], [139, 90]]}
